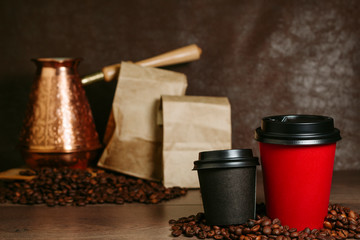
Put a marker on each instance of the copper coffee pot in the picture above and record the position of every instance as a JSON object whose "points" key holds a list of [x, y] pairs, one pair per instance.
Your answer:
{"points": [[59, 129]]}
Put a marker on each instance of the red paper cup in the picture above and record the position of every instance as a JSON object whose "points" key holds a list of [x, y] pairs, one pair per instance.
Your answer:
{"points": [[297, 156]]}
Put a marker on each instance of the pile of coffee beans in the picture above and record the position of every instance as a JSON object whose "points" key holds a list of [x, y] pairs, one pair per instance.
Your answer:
{"points": [[66, 186], [340, 223]]}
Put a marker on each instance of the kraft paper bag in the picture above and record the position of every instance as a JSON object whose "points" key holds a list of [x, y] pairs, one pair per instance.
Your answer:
{"points": [[133, 138], [192, 124]]}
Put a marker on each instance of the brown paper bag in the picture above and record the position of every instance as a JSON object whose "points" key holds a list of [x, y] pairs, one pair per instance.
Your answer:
{"points": [[192, 124], [133, 138]]}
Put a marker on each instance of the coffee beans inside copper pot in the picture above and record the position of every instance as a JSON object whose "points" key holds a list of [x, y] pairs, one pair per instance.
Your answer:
{"points": [[340, 223], [54, 186]]}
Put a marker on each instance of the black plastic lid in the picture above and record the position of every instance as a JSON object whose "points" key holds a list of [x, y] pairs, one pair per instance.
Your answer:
{"points": [[297, 130], [231, 158]]}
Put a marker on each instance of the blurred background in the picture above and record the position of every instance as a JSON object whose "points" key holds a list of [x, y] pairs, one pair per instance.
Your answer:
{"points": [[267, 57]]}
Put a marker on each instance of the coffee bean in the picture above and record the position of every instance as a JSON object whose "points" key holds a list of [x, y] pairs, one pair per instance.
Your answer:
{"points": [[266, 222], [206, 228], [307, 230], [352, 221], [202, 235], [311, 236], [226, 235], [218, 236], [303, 234], [197, 229], [343, 233], [192, 222], [352, 215], [176, 233], [81, 187], [246, 231], [255, 228], [338, 224], [210, 233], [275, 226], [251, 236], [333, 212], [250, 223], [327, 225], [267, 230], [276, 231], [189, 232], [175, 227], [217, 232], [352, 227], [232, 229], [315, 231], [276, 221], [238, 231]]}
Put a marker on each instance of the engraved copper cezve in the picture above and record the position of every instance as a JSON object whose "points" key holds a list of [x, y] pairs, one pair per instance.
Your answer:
{"points": [[58, 128]]}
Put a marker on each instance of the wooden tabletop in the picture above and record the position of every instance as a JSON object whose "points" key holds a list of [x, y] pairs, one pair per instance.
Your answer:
{"points": [[132, 221]]}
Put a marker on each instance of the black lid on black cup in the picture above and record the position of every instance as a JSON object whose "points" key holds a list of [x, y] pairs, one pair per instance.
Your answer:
{"points": [[231, 158], [297, 130]]}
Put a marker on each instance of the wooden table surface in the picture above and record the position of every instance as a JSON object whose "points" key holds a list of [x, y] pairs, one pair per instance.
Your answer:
{"points": [[132, 221]]}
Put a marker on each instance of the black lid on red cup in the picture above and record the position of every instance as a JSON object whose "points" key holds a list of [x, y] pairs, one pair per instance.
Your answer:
{"points": [[297, 130], [231, 158]]}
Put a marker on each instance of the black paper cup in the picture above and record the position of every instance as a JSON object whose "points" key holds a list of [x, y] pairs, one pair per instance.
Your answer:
{"points": [[228, 185]]}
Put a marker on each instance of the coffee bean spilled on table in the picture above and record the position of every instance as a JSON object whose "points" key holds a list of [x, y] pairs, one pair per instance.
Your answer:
{"points": [[76, 187], [340, 223]]}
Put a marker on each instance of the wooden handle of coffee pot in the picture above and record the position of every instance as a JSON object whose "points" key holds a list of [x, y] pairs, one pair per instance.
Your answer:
{"points": [[185, 54]]}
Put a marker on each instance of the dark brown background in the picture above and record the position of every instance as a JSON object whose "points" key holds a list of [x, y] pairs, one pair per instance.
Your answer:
{"points": [[268, 57]]}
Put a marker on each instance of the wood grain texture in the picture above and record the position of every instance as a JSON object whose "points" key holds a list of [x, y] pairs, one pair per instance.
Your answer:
{"points": [[132, 221]]}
